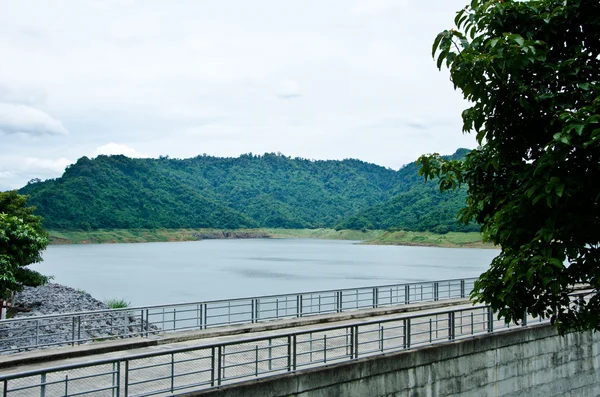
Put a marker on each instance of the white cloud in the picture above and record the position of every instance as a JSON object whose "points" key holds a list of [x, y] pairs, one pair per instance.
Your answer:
{"points": [[112, 3], [376, 7], [6, 174], [24, 119], [117, 148], [46, 165], [25, 95], [289, 89], [184, 78], [16, 170]]}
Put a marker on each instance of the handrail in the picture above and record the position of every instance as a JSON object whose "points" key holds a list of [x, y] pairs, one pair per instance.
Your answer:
{"points": [[137, 308], [32, 332], [229, 362], [234, 342]]}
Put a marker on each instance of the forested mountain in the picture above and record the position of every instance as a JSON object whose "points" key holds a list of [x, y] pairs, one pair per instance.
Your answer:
{"points": [[416, 206], [269, 190]]}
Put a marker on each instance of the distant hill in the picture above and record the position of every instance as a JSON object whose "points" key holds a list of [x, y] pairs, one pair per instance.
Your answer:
{"points": [[270, 190], [415, 206]]}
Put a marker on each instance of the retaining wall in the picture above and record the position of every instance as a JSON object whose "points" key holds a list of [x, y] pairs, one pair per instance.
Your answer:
{"points": [[525, 361]]}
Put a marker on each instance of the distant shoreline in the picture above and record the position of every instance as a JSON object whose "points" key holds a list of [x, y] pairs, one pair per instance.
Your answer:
{"points": [[369, 237]]}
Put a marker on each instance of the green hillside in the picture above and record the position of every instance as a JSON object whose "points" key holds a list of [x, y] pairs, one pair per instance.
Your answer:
{"points": [[250, 191], [416, 206]]}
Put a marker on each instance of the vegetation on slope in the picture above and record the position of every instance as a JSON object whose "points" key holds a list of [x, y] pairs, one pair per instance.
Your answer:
{"points": [[417, 206], [268, 191], [377, 237]]}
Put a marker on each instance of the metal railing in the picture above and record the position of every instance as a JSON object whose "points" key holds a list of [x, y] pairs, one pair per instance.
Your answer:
{"points": [[82, 327], [183, 370]]}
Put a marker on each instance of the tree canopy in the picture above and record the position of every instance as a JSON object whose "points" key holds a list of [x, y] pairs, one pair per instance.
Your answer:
{"points": [[270, 190], [21, 241], [531, 72]]}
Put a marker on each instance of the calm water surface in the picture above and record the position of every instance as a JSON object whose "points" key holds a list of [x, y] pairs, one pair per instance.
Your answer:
{"points": [[155, 273]]}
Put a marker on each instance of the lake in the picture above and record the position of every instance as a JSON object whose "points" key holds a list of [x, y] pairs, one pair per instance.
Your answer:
{"points": [[156, 273]]}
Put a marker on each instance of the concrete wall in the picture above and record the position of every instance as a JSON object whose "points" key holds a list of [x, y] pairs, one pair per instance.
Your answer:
{"points": [[530, 361]]}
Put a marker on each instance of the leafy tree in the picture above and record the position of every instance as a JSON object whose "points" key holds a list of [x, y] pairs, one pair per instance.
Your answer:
{"points": [[531, 72], [21, 241]]}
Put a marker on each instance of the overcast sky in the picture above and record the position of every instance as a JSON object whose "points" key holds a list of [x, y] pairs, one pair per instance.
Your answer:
{"points": [[319, 79]]}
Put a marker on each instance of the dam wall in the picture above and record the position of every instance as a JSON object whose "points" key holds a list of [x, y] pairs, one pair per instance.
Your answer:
{"points": [[522, 361]]}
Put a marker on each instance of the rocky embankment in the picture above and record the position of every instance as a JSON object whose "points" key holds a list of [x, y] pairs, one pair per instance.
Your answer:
{"points": [[30, 332], [230, 235]]}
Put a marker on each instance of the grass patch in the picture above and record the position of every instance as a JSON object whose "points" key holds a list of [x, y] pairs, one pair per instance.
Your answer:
{"points": [[448, 240], [117, 303], [375, 237]]}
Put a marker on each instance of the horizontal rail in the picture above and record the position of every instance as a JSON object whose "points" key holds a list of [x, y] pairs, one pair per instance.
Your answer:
{"points": [[210, 365], [469, 280], [33, 332]]}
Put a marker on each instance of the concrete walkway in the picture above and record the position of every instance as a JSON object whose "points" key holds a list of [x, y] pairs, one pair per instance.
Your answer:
{"points": [[256, 350], [96, 348]]}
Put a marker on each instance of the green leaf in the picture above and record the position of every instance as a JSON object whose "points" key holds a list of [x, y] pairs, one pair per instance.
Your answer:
{"points": [[560, 189], [584, 86], [441, 58], [517, 38], [436, 44], [556, 263]]}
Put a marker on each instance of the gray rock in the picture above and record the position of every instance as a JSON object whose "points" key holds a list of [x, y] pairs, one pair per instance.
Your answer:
{"points": [[31, 333]]}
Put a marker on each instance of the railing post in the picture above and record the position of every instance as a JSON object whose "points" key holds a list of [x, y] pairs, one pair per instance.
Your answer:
{"points": [[407, 294], [79, 329], [490, 315], [142, 323], [212, 366], [436, 291], [126, 384], [43, 385], [462, 288], [355, 341], [257, 308], [375, 297], [73, 331], [294, 352], [524, 319], [218, 366], [339, 302], [252, 311], [289, 353], [147, 323], [117, 386], [270, 353], [406, 336], [349, 342], [451, 325], [199, 316], [430, 330], [205, 322], [172, 372], [256, 360]]}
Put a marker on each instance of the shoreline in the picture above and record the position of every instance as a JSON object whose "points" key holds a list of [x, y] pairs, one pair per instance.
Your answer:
{"points": [[368, 237]]}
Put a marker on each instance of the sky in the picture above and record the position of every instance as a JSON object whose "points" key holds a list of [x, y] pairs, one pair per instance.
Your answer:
{"points": [[318, 79]]}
